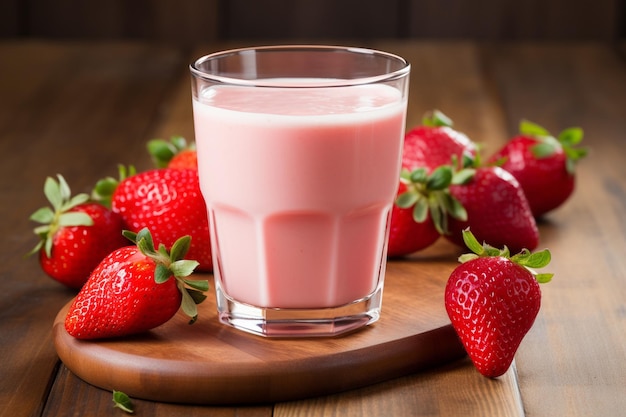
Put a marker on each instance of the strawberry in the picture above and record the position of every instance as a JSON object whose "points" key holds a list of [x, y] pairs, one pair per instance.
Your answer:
{"points": [[543, 165], [135, 289], [435, 143], [497, 210], [176, 153], [170, 203], [421, 211], [492, 300], [187, 159], [76, 234]]}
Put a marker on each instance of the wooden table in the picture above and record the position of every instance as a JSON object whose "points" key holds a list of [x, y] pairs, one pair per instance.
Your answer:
{"points": [[79, 109]]}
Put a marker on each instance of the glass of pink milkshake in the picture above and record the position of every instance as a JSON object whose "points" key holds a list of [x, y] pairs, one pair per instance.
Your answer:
{"points": [[299, 151]]}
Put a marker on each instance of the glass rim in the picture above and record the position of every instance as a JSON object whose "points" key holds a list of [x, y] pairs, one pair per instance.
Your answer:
{"points": [[196, 71]]}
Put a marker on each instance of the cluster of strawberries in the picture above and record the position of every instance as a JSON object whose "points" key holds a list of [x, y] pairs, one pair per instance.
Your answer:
{"points": [[445, 189], [121, 245], [493, 297]]}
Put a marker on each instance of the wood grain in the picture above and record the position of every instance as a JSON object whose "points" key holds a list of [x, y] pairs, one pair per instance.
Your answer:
{"points": [[52, 102], [95, 100], [576, 352], [423, 394], [209, 363]]}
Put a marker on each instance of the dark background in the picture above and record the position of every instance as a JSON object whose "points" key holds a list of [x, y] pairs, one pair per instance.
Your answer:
{"points": [[187, 22]]}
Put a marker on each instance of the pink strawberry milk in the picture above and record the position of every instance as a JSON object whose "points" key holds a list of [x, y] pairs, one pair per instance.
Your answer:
{"points": [[299, 169]]}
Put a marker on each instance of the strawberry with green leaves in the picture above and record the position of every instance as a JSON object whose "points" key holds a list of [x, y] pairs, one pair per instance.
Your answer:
{"points": [[497, 209], [166, 200], [75, 234], [542, 164], [435, 143], [492, 300], [135, 289], [175, 153], [420, 214], [423, 201]]}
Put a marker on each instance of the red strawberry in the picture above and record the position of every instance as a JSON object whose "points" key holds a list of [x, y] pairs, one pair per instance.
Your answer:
{"points": [[176, 153], [187, 159], [497, 210], [543, 165], [76, 234], [435, 143], [170, 203], [421, 211], [492, 300], [135, 289]]}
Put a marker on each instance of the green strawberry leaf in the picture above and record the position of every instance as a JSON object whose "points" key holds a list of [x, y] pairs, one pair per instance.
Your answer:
{"points": [[533, 260], [436, 118], [197, 296], [145, 242], [472, 243], [188, 304], [198, 284], [163, 151], [103, 191], [47, 247], [438, 216], [463, 176], [122, 401], [163, 253], [75, 218], [466, 257], [420, 210], [64, 188], [132, 236], [52, 191], [162, 273], [104, 188], [529, 128], [183, 267], [544, 277], [543, 149], [43, 215], [77, 200], [419, 175], [180, 248], [440, 178], [571, 136], [453, 206], [407, 199]]}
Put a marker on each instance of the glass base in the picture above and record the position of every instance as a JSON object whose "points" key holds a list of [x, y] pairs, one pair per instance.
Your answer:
{"points": [[281, 322]]}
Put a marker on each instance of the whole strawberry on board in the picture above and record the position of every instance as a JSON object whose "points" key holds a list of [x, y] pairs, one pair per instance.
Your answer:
{"points": [[497, 209], [175, 153], [542, 164], [75, 234], [420, 214], [492, 300], [135, 289], [435, 143], [166, 200]]}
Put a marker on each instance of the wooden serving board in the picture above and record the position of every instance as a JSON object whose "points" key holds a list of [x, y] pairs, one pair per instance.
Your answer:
{"points": [[211, 363]]}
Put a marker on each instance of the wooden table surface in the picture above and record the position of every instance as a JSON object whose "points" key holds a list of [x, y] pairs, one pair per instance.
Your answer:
{"points": [[79, 109]]}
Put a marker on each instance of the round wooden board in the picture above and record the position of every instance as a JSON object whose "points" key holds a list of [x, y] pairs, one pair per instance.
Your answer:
{"points": [[210, 363]]}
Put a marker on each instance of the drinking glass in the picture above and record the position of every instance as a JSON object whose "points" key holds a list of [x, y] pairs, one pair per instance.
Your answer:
{"points": [[299, 152]]}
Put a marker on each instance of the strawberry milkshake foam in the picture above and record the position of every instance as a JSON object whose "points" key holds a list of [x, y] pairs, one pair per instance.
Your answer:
{"points": [[299, 185]]}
